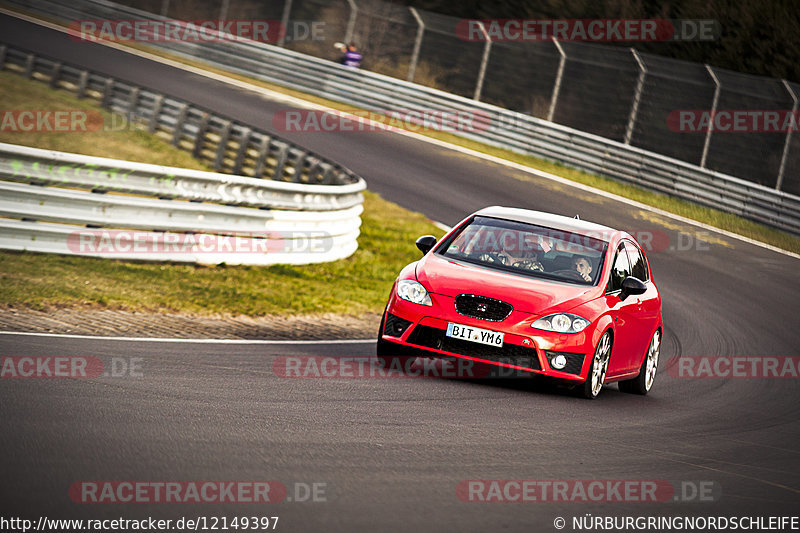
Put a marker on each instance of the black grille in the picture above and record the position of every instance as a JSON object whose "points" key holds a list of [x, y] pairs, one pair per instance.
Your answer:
{"points": [[482, 307], [395, 326], [574, 361], [511, 354]]}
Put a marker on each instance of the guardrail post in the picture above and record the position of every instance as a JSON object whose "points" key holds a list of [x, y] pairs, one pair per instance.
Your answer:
{"points": [[263, 152], [30, 60], [351, 22], [327, 174], [158, 104], [557, 85], [412, 67], [3, 49], [200, 138], [83, 82], [637, 96], [133, 100], [283, 155], [223, 11], [176, 135], [224, 137], [108, 92], [484, 61], [55, 75], [244, 142], [714, 103], [287, 8], [787, 142], [299, 167]]}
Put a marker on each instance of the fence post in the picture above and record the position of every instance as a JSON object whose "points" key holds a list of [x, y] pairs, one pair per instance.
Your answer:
{"points": [[412, 67], [713, 113], [484, 61], [351, 22], [786, 143], [557, 85], [637, 96], [223, 10], [287, 8]]}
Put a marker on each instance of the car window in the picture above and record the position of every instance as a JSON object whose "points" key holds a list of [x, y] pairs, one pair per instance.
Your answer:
{"points": [[638, 264], [620, 270], [527, 249]]}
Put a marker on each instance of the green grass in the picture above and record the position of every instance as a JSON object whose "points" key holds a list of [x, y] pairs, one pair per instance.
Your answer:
{"points": [[357, 285]]}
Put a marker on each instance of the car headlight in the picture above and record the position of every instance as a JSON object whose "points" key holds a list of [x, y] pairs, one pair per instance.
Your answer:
{"points": [[561, 323], [413, 291]]}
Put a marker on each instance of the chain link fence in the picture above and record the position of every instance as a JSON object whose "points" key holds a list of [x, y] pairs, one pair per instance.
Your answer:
{"points": [[610, 91]]}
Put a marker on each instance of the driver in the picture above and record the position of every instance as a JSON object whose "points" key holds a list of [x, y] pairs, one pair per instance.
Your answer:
{"points": [[583, 267]]}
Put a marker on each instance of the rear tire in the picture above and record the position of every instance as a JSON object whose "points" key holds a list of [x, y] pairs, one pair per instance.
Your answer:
{"points": [[642, 383], [597, 370]]}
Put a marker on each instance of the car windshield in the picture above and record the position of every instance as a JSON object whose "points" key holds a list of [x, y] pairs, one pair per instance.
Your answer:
{"points": [[527, 249]]}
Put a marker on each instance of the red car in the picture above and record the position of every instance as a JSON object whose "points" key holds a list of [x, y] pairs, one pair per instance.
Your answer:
{"points": [[532, 292]]}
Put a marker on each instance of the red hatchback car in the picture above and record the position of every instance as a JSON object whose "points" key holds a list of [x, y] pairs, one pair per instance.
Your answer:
{"points": [[534, 292]]}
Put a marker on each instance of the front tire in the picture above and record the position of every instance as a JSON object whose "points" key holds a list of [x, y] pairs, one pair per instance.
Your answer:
{"points": [[642, 383], [597, 370]]}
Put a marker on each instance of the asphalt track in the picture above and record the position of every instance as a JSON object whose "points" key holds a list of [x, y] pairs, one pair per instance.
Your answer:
{"points": [[392, 451]]}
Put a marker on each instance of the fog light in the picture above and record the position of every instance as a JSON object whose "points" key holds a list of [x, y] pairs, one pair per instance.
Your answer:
{"points": [[558, 362]]}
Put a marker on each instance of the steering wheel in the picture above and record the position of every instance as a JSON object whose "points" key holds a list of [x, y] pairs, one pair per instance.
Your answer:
{"points": [[530, 265], [574, 273], [492, 257]]}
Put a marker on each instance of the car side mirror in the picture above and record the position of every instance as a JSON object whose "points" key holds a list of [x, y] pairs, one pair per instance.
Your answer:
{"points": [[632, 286], [425, 243]]}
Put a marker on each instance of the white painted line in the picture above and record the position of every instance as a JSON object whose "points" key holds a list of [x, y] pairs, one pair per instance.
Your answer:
{"points": [[194, 341], [467, 151], [444, 227]]}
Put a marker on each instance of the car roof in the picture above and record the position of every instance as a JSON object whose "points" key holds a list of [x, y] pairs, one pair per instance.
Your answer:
{"points": [[549, 220]]}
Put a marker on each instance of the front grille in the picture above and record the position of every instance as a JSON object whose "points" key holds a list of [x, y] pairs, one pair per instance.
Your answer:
{"points": [[395, 326], [574, 361], [481, 307], [511, 354]]}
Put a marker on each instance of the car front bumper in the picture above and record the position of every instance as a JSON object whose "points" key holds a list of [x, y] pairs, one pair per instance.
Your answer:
{"points": [[419, 330]]}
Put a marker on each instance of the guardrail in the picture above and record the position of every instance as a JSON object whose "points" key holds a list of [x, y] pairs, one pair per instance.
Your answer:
{"points": [[164, 213], [492, 125]]}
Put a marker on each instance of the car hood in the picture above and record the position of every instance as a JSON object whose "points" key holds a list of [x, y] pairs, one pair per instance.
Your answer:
{"points": [[450, 278]]}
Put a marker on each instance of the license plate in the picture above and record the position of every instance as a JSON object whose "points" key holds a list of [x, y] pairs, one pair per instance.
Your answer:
{"points": [[473, 334]]}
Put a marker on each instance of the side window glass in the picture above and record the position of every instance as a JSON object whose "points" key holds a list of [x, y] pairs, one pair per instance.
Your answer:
{"points": [[620, 270], [638, 265]]}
